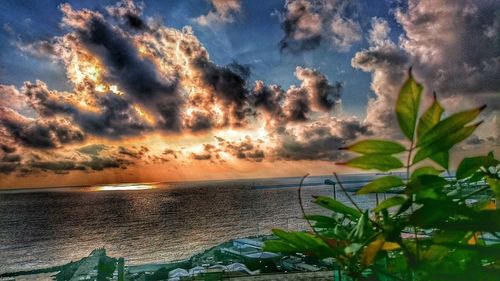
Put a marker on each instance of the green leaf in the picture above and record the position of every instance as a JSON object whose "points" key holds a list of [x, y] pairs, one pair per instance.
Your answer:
{"points": [[361, 225], [424, 182], [322, 221], [390, 202], [381, 185], [469, 166], [445, 143], [303, 242], [376, 147], [377, 162], [407, 106], [441, 158], [426, 170], [279, 246], [448, 126], [287, 236], [336, 206], [430, 118]]}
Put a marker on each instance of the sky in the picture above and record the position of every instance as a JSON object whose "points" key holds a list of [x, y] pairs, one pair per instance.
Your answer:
{"points": [[98, 92]]}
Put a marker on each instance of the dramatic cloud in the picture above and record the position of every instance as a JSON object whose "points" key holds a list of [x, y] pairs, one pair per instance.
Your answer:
{"points": [[462, 53], [94, 157], [135, 75], [224, 11], [46, 133], [9, 160], [115, 119], [459, 59], [209, 152], [307, 23], [129, 12], [319, 140], [315, 94], [245, 149], [388, 65]]}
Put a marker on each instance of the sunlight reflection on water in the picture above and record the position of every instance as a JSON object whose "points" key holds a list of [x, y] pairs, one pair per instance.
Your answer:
{"points": [[115, 187]]}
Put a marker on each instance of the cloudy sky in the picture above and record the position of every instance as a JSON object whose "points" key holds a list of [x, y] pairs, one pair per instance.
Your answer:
{"points": [[104, 91]]}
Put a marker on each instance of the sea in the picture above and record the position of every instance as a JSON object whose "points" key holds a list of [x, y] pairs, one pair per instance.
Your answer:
{"points": [[152, 222]]}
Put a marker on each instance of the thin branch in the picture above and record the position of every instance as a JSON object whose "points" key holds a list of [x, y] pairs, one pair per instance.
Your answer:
{"points": [[347, 194], [304, 212], [408, 165]]}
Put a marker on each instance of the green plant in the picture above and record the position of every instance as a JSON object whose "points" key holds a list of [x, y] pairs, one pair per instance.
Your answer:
{"points": [[445, 231]]}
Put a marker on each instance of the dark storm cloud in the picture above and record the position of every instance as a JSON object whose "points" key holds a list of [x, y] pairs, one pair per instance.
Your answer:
{"points": [[324, 96], [307, 23], [267, 98], [128, 11], [245, 149], [138, 77], [462, 54], [302, 27], [7, 149], [46, 102], [9, 161], [315, 93], [136, 153], [56, 166], [38, 133], [227, 83], [318, 141], [198, 121], [171, 152], [210, 152], [116, 118], [297, 105], [7, 168]]}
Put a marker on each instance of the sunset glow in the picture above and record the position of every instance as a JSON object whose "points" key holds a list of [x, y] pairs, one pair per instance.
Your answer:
{"points": [[117, 93]]}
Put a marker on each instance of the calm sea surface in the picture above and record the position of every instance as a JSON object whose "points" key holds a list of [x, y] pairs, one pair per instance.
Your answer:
{"points": [[147, 222]]}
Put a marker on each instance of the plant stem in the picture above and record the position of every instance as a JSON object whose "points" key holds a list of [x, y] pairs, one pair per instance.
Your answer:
{"points": [[347, 194], [304, 212], [408, 160]]}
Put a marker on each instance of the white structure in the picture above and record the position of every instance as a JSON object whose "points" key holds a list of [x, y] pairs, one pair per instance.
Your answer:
{"points": [[197, 270], [177, 274], [239, 267]]}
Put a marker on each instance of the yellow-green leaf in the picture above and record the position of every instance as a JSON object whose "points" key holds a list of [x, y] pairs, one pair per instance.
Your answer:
{"points": [[407, 106], [336, 206], [371, 251], [430, 118], [445, 143], [377, 162], [381, 185], [376, 147], [448, 126]]}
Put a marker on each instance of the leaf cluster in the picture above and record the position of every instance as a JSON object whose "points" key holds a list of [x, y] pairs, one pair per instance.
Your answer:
{"points": [[436, 227]]}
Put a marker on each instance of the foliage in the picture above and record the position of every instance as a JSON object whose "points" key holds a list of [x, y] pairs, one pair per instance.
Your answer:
{"points": [[430, 230]]}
